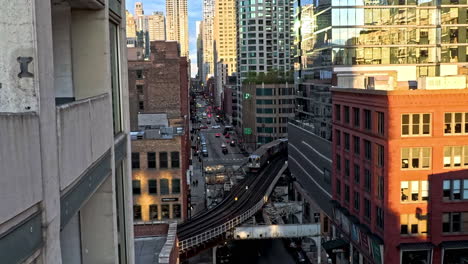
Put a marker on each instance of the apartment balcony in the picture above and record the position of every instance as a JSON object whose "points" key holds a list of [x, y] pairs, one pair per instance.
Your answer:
{"points": [[85, 133], [20, 161]]}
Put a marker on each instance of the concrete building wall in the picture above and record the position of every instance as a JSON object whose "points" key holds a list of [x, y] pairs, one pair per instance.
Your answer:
{"points": [[18, 94], [35, 156]]}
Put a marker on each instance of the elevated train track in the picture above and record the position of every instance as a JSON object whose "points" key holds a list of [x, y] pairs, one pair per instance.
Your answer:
{"points": [[207, 228]]}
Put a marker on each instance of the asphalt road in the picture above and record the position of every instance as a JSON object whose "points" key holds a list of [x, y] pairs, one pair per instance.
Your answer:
{"points": [[270, 251]]}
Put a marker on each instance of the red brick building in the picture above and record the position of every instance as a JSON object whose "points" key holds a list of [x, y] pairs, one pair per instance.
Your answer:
{"points": [[400, 179], [159, 116]]}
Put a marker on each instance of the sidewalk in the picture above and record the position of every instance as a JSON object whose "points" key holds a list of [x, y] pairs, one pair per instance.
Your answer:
{"points": [[197, 191]]}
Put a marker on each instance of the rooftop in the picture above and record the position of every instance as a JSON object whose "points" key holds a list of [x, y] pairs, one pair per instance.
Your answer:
{"points": [[386, 82]]}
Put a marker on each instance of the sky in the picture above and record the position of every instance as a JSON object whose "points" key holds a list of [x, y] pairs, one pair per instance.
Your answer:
{"points": [[194, 13]]}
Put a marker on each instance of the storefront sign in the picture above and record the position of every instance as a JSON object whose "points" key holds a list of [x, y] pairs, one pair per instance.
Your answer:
{"points": [[377, 254], [170, 199]]}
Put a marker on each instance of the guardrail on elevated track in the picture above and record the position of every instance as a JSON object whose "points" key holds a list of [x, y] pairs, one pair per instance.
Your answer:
{"points": [[215, 232]]}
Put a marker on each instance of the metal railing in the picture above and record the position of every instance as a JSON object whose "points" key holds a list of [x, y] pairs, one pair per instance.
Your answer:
{"points": [[215, 232]]}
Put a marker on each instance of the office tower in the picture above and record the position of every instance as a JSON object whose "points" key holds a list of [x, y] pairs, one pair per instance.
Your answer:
{"points": [[177, 24], [263, 56], [208, 38], [65, 134], [225, 34], [157, 26], [199, 30], [264, 37], [160, 139], [399, 175]]}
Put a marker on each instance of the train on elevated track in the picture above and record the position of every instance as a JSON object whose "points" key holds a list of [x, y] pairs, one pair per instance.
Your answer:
{"points": [[260, 157]]}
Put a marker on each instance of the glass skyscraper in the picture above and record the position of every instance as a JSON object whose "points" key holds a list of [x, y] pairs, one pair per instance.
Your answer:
{"points": [[415, 38]]}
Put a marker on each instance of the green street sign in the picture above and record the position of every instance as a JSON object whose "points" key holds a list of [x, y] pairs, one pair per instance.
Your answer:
{"points": [[247, 131], [247, 96]]}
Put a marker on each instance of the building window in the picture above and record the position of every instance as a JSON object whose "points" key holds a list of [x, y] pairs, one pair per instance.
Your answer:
{"points": [[135, 160], [337, 137], [163, 160], [139, 74], [455, 156], [338, 112], [415, 124], [139, 89], [367, 209], [367, 119], [346, 167], [338, 188], [153, 212], [367, 149], [165, 214], [151, 160], [346, 114], [357, 145], [455, 190], [411, 225], [456, 123], [455, 222], [346, 193], [338, 162], [380, 187], [164, 185], [380, 156], [357, 200], [175, 186], [175, 160], [367, 180], [141, 105], [176, 211], [137, 212], [415, 158], [346, 141], [136, 184], [379, 217], [115, 77], [152, 186], [414, 191], [357, 173], [381, 123], [357, 117]]}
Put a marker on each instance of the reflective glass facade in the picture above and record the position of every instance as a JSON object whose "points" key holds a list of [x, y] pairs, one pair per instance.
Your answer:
{"points": [[428, 35]]}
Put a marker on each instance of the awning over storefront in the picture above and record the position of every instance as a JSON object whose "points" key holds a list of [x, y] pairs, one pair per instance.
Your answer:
{"points": [[416, 246], [339, 243], [454, 244]]}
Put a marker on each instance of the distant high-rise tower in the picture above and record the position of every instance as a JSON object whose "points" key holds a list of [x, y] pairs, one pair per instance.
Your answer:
{"points": [[208, 44], [157, 26], [225, 31], [199, 32], [177, 24], [131, 26], [140, 19]]}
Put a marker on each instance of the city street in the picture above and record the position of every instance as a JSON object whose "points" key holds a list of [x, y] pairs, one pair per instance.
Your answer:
{"points": [[233, 157], [270, 251]]}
